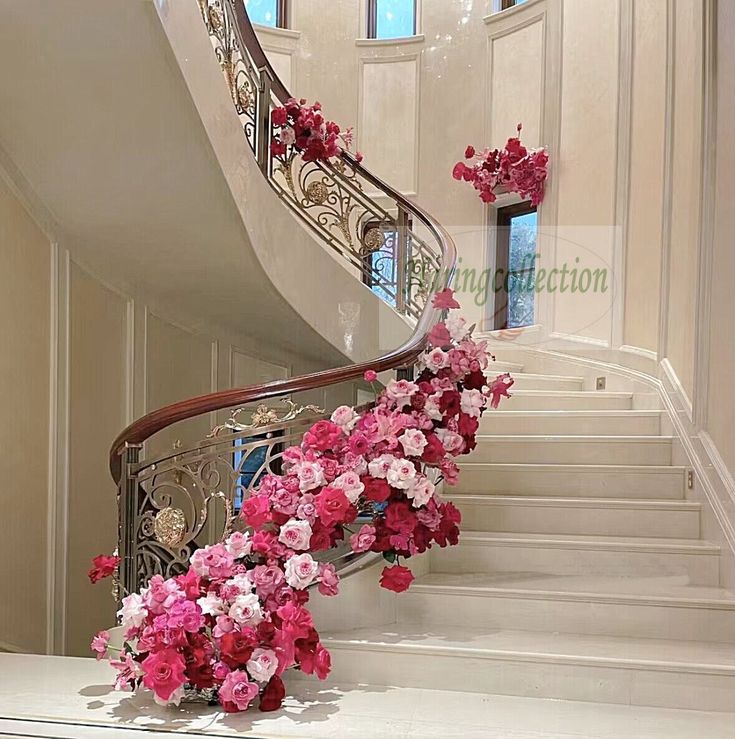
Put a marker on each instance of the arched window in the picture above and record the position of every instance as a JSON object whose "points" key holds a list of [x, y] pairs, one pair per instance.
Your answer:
{"points": [[267, 12], [391, 18]]}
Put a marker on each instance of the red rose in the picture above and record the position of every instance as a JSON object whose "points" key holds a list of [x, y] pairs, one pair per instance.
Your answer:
{"points": [[273, 695], [236, 647], [400, 518], [459, 170], [449, 403], [332, 505], [469, 152], [375, 489], [467, 425], [104, 565], [396, 578], [279, 116], [475, 380], [434, 450]]}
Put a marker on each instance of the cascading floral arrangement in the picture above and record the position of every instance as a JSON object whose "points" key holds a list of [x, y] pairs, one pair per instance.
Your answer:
{"points": [[512, 168], [303, 128], [229, 627]]}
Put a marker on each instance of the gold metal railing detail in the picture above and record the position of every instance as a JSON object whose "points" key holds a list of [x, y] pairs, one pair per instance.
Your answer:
{"points": [[346, 207]]}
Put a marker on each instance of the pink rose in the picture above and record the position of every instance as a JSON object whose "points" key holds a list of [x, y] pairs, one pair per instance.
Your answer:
{"points": [[262, 665], [363, 539], [99, 643], [237, 692], [370, 375], [301, 571], [332, 505], [328, 580], [163, 673]]}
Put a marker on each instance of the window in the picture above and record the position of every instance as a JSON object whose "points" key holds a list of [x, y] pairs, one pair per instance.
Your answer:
{"points": [[516, 266], [252, 464], [391, 18], [380, 266], [505, 4], [267, 12]]}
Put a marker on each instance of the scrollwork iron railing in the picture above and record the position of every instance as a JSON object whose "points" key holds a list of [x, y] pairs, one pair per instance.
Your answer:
{"points": [[333, 198], [174, 503]]}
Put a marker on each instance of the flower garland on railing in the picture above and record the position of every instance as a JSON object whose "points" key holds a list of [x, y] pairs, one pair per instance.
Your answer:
{"points": [[512, 169], [229, 627], [304, 128]]}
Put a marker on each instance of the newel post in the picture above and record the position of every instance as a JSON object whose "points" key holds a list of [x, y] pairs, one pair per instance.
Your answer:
{"points": [[264, 120], [128, 519]]}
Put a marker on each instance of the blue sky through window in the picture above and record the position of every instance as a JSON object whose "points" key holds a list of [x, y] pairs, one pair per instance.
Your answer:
{"points": [[395, 18], [264, 12]]}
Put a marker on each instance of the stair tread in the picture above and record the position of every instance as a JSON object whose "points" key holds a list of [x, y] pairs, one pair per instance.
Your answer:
{"points": [[576, 393], [550, 467], [578, 438], [613, 651], [574, 502], [546, 376], [586, 541], [660, 588], [580, 413]]}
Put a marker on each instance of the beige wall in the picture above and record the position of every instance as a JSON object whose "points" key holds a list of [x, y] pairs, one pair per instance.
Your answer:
{"points": [[24, 430]]}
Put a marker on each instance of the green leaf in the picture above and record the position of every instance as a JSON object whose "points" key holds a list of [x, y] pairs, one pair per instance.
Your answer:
{"points": [[389, 556]]}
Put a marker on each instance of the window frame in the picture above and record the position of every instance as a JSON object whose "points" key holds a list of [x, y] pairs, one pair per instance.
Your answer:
{"points": [[372, 21], [504, 218], [281, 15]]}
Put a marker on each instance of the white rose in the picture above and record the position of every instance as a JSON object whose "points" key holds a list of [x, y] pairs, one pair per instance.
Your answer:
{"points": [[380, 465], [262, 665], [245, 610], [431, 408], [238, 544], [310, 474], [472, 402], [211, 605], [301, 571], [451, 441], [401, 474], [133, 611], [345, 417], [295, 534], [457, 327], [350, 484], [400, 391], [421, 492], [413, 442], [242, 583]]}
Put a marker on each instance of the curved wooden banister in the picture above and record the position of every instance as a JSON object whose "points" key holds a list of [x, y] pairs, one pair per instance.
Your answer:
{"points": [[150, 424]]}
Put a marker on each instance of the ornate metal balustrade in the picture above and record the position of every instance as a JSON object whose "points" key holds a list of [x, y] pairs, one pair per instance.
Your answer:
{"points": [[174, 503], [343, 204]]}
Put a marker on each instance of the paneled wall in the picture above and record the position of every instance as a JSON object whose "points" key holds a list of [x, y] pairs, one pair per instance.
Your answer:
{"points": [[25, 329], [80, 361]]}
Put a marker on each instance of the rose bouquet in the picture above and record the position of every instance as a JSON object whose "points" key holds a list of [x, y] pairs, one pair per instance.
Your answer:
{"points": [[513, 169], [304, 128], [231, 625]]}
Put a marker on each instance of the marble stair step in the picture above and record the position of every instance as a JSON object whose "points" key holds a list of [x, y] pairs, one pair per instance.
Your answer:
{"points": [[532, 381], [643, 607], [605, 669], [593, 516], [566, 400], [566, 449], [569, 480], [555, 422], [579, 554]]}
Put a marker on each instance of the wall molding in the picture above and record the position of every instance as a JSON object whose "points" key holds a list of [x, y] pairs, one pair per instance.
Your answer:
{"points": [[623, 171], [703, 303]]}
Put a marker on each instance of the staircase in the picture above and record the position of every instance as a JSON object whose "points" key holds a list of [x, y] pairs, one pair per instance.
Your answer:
{"points": [[580, 572]]}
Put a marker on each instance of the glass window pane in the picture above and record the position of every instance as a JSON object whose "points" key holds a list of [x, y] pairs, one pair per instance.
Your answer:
{"points": [[264, 12], [395, 18], [522, 260]]}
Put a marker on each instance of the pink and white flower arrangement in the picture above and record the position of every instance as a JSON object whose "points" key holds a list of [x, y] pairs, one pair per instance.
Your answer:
{"points": [[237, 618], [512, 168], [303, 128]]}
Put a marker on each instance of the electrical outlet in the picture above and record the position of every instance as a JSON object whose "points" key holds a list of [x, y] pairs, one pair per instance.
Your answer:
{"points": [[601, 383]]}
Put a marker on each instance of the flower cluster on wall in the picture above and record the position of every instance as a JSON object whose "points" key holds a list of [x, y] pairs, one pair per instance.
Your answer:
{"points": [[514, 168], [231, 625]]}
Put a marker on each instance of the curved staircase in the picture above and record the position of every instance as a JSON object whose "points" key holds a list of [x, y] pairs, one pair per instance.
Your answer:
{"points": [[580, 572]]}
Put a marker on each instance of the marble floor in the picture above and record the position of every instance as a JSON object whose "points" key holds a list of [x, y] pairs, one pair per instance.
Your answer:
{"points": [[71, 698]]}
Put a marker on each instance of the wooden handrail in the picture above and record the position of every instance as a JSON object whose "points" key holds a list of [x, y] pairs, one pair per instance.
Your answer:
{"points": [[141, 430]]}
